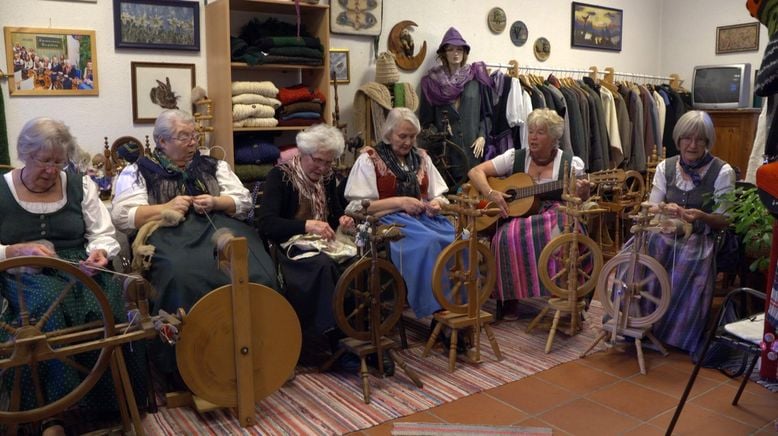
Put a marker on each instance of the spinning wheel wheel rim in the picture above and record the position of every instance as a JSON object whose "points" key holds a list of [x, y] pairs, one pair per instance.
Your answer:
{"points": [[447, 169], [559, 242], [360, 271], [101, 363], [634, 190], [450, 253], [205, 351], [604, 290]]}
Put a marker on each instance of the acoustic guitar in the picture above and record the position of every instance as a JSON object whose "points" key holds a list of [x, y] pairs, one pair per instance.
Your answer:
{"points": [[523, 192]]}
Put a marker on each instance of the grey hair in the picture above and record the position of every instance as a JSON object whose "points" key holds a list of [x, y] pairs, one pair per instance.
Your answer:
{"points": [[395, 117], [548, 118], [45, 134], [321, 137], [695, 123], [164, 126]]}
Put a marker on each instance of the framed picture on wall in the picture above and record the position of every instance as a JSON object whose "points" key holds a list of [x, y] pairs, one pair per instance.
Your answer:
{"points": [[156, 24], [596, 27], [356, 18], [45, 61], [339, 65], [160, 86], [737, 38]]}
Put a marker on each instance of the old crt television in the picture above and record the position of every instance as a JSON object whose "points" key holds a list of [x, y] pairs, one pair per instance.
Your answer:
{"points": [[721, 86]]}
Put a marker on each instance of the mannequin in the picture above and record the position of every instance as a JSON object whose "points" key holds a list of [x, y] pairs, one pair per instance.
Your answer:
{"points": [[374, 100], [455, 87]]}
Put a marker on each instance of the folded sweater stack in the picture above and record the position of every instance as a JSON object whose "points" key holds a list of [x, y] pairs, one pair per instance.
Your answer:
{"points": [[254, 104], [300, 106]]}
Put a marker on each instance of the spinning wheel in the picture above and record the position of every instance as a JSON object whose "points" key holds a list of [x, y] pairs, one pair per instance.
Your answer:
{"points": [[353, 298], [566, 256], [453, 265], [625, 289], [633, 192], [30, 348]]}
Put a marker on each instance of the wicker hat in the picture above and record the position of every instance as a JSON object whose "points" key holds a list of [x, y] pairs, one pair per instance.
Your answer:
{"points": [[386, 69], [453, 37]]}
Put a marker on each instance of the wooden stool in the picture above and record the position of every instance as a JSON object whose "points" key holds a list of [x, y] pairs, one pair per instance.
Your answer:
{"points": [[456, 322], [366, 348], [562, 306], [637, 333]]}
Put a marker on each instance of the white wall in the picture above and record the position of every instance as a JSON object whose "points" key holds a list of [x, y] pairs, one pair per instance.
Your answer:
{"points": [[90, 117], [687, 42], [660, 37]]}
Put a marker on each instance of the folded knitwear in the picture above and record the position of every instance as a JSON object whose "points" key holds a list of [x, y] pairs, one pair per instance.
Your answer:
{"points": [[256, 122], [266, 88], [258, 153], [302, 115], [297, 60], [300, 106], [252, 173], [300, 92], [256, 98], [303, 52], [243, 111], [287, 41], [299, 122]]}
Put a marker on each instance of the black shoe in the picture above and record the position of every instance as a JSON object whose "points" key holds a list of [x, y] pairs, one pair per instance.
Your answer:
{"points": [[349, 362], [462, 344], [372, 360]]}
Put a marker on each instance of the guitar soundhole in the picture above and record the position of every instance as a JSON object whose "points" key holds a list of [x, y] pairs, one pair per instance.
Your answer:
{"points": [[511, 195]]}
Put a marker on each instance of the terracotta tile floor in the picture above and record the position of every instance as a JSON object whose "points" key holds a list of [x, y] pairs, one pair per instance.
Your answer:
{"points": [[605, 394]]}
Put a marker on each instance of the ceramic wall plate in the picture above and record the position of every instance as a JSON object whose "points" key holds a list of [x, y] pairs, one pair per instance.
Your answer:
{"points": [[519, 33], [542, 49], [496, 20]]}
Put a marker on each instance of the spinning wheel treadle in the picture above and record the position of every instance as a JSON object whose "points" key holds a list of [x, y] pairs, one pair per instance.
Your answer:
{"points": [[452, 264], [563, 253], [642, 274], [353, 298], [205, 350], [30, 347]]}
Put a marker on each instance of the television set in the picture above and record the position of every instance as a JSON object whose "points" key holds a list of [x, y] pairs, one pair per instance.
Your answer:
{"points": [[721, 86]]}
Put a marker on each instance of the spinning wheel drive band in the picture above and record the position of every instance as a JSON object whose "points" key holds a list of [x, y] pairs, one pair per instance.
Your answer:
{"points": [[621, 278], [29, 346], [205, 350], [353, 298], [564, 252], [452, 265]]}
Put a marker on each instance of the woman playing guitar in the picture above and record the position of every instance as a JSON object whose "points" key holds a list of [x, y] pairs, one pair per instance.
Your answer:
{"points": [[518, 242]]}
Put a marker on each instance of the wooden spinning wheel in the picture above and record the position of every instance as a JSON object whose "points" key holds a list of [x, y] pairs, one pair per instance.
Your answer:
{"points": [[30, 347], [453, 270], [353, 298], [565, 257]]}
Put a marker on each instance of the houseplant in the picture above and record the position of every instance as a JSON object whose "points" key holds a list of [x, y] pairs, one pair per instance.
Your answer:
{"points": [[751, 222]]}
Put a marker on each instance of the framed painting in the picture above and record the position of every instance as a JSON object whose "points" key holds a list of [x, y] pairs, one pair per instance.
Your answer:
{"points": [[160, 86], [44, 61], [340, 66], [596, 27], [362, 17], [156, 24], [737, 38]]}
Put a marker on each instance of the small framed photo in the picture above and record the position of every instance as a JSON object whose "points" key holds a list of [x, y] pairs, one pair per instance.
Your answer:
{"points": [[339, 65], [45, 61], [160, 86], [596, 27], [156, 24], [737, 38]]}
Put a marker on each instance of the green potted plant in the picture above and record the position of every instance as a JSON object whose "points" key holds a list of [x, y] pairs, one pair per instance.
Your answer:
{"points": [[752, 223]]}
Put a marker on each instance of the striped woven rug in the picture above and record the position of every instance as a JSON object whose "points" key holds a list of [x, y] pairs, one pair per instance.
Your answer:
{"points": [[331, 403]]}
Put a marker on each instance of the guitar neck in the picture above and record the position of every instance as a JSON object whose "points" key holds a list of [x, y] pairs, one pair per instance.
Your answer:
{"points": [[543, 188]]}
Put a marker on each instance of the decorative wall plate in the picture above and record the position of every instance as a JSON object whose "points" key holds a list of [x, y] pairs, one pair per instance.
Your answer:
{"points": [[519, 33], [542, 49], [496, 20]]}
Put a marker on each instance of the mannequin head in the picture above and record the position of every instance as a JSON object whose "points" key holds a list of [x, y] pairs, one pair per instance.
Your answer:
{"points": [[453, 50]]}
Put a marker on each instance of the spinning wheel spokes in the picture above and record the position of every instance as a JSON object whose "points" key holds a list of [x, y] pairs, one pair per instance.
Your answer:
{"points": [[566, 254], [452, 274], [29, 346], [353, 299], [643, 297]]}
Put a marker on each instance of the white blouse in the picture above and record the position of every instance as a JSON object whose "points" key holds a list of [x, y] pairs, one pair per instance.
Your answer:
{"points": [[130, 193], [362, 183], [100, 232], [503, 165], [725, 182]]}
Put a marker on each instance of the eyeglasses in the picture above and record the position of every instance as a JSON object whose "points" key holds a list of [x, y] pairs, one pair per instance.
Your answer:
{"points": [[186, 138], [50, 164], [700, 142], [321, 162]]}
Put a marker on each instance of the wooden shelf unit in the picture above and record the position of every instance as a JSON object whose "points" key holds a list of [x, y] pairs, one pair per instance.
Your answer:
{"points": [[735, 132], [224, 18]]}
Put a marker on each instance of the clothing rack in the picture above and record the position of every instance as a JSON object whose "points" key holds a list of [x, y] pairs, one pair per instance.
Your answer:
{"points": [[609, 73]]}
